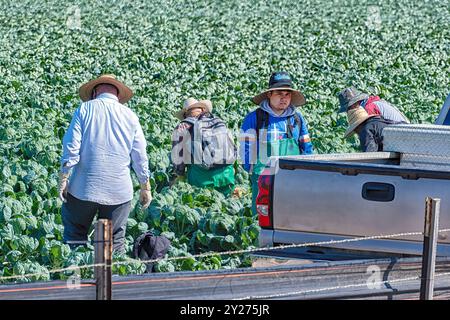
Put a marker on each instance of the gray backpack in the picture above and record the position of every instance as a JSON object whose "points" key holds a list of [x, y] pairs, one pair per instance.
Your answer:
{"points": [[212, 145]]}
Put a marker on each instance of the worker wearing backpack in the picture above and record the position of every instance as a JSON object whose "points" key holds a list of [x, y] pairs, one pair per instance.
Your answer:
{"points": [[275, 128], [202, 144]]}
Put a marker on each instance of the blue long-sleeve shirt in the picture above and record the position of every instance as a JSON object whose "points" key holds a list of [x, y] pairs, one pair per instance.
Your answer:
{"points": [[444, 115], [277, 130], [104, 140]]}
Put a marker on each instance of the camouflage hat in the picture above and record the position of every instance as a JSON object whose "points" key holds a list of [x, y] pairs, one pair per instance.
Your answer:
{"points": [[350, 96]]}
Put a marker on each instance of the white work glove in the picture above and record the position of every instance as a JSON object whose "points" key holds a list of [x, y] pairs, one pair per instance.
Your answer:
{"points": [[145, 196], [62, 188]]}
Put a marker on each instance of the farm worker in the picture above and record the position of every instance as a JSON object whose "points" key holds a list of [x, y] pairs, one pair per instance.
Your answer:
{"points": [[103, 140], [351, 98], [202, 147], [369, 128], [444, 115], [275, 128]]}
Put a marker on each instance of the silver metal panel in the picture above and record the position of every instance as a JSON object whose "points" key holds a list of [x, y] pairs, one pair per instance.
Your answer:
{"points": [[420, 161], [332, 203], [428, 139]]}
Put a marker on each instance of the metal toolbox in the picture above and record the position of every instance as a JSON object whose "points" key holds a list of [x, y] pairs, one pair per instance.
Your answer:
{"points": [[418, 139], [420, 161]]}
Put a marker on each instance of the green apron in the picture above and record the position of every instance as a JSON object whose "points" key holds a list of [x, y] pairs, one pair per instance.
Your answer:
{"points": [[221, 179], [283, 147]]}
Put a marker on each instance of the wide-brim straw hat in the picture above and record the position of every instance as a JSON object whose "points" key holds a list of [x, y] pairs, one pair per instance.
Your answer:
{"points": [[191, 103], [355, 118], [124, 93], [281, 81], [297, 98]]}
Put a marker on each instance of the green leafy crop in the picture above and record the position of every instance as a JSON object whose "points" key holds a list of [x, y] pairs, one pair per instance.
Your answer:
{"points": [[167, 51]]}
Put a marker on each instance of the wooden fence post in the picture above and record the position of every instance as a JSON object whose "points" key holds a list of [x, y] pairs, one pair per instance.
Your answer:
{"points": [[103, 255], [432, 208]]}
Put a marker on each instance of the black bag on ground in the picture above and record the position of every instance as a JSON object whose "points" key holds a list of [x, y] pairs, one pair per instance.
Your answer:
{"points": [[148, 247]]}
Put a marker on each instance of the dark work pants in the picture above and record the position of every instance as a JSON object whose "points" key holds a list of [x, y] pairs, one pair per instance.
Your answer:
{"points": [[77, 217]]}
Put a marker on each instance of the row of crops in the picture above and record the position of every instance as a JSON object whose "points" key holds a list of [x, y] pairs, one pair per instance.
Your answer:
{"points": [[170, 50]]}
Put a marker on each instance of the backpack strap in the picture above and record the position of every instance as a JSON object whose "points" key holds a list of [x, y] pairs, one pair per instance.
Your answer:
{"points": [[297, 123], [262, 121], [191, 133]]}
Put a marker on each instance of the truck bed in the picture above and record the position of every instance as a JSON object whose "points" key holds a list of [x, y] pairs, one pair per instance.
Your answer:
{"points": [[340, 196]]}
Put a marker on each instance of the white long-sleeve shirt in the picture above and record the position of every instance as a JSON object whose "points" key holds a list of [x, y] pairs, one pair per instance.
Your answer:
{"points": [[104, 140]]}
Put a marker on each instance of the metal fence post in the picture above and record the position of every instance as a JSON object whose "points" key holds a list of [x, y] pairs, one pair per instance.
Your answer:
{"points": [[432, 208], [103, 255]]}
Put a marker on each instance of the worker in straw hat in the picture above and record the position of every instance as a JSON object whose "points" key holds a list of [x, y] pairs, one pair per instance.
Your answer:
{"points": [[369, 128], [202, 147], [275, 128], [103, 139], [351, 98]]}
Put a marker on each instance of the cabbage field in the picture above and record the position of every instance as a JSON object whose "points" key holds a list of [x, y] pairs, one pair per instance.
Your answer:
{"points": [[167, 51]]}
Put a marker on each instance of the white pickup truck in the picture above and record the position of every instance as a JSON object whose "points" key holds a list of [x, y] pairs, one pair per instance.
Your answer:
{"points": [[315, 198]]}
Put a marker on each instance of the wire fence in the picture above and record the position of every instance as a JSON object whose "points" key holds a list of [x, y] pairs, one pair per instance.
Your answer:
{"points": [[211, 254]]}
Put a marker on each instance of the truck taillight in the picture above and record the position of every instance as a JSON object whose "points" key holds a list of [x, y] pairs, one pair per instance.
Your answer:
{"points": [[263, 199]]}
